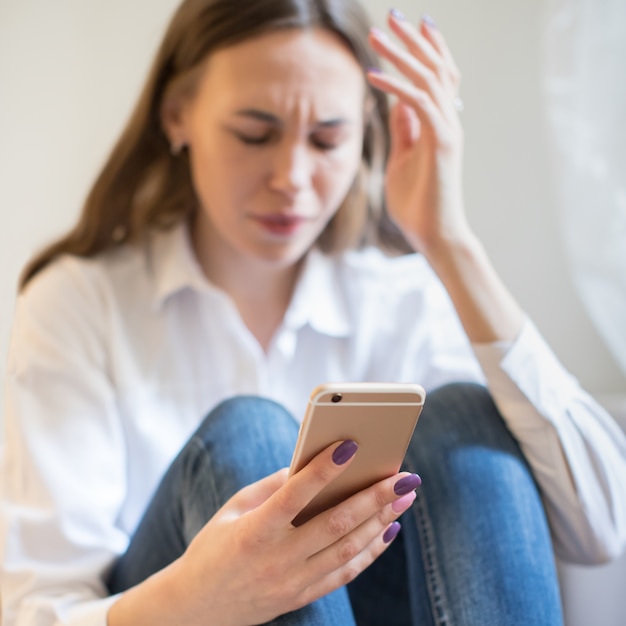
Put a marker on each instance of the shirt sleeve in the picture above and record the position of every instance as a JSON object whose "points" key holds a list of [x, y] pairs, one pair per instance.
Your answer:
{"points": [[576, 450], [62, 479]]}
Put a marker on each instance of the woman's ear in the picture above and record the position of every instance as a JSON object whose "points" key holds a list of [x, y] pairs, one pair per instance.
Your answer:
{"points": [[173, 122]]}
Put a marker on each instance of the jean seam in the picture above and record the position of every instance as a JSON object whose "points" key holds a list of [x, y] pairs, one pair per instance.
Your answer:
{"points": [[434, 580]]}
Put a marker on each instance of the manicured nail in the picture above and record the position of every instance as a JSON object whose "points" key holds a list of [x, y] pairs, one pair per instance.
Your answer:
{"points": [[429, 21], [392, 532], [402, 504], [379, 34], [407, 484], [344, 452], [397, 15]]}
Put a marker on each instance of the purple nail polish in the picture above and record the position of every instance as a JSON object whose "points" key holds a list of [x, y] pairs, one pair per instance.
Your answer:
{"points": [[407, 484], [392, 532], [429, 21], [398, 15], [344, 452]]}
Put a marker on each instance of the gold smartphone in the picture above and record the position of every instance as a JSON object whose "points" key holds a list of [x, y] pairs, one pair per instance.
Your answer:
{"points": [[380, 417]]}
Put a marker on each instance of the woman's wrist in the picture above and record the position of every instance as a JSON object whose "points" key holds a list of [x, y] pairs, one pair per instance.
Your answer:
{"points": [[484, 305], [441, 246]]}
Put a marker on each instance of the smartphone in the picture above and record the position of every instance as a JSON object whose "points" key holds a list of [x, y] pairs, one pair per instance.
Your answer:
{"points": [[380, 417]]}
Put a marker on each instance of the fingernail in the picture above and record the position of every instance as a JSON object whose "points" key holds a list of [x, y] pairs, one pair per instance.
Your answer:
{"points": [[344, 452], [379, 34], [407, 484], [374, 70], [392, 532], [398, 15], [402, 504], [429, 21]]}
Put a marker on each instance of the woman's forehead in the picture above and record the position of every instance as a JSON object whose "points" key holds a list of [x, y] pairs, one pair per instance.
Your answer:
{"points": [[286, 69]]}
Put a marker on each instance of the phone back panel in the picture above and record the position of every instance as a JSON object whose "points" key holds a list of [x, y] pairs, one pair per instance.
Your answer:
{"points": [[380, 417]]}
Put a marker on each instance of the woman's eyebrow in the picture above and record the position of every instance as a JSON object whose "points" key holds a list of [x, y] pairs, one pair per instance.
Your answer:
{"points": [[264, 116], [261, 116]]}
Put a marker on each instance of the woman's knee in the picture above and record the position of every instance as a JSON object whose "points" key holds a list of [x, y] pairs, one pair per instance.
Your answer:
{"points": [[464, 414], [242, 440], [241, 421], [461, 436]]}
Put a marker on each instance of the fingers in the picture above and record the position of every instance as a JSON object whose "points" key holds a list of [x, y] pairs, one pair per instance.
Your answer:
{"points": [[432, 34], [429, 115], [349, 571], [339, 563], [422, 45], [252, 496], [333, 547], [428, 65], [427, 44], [405, 128], [410, 66], [283, 506], [336, 535]]}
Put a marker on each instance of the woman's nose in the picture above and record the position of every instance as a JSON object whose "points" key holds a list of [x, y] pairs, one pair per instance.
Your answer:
{"points": [[292, 168]]}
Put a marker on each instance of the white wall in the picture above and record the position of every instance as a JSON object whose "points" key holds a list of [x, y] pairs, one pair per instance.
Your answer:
{"points": [[70, 70]]}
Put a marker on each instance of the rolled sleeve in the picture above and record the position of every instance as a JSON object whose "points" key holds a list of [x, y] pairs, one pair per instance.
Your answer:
{"points": [[576, 450]]}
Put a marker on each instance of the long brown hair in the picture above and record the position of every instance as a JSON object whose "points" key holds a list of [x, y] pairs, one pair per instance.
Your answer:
{"points": [[144, 186]]}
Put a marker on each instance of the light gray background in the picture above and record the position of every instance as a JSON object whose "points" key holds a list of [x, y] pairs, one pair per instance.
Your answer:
{"points": [[70, 71]]}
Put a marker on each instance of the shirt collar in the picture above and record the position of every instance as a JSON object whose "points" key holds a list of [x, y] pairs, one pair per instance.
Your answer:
{"points": [[174, 264], [318, 299]]}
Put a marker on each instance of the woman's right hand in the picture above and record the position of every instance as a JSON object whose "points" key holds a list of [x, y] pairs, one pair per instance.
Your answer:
{"points": [[249, 564]]}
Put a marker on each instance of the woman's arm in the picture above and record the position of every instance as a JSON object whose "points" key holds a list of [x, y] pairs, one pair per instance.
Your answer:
{"points": [[423, 179], [577, 453]]}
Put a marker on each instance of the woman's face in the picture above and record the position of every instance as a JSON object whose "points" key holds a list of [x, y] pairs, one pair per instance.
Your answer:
{"points": [[275, 133]]}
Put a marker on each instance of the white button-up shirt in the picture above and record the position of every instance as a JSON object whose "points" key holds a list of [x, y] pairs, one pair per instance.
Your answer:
{"points": [[115, 360]]}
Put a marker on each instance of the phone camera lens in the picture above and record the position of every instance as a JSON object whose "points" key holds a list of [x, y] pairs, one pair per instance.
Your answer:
{"points": [[336, 398]]}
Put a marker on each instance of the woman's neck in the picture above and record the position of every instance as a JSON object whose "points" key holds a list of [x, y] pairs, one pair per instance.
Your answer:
{"points": [[260, 290]]}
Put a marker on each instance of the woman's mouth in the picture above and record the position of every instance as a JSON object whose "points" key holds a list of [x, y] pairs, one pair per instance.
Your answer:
{"points": [[280, 223]]}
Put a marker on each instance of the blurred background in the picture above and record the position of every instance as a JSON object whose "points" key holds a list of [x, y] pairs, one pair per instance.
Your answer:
{"points": [[545, 168]]}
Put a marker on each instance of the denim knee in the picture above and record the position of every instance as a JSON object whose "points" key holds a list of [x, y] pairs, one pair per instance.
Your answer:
{"points": [[240, 420], [464, 414], [481, 529], [242, 440]]}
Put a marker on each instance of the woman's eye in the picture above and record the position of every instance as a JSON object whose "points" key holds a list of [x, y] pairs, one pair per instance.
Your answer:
{"points": [[322, 144], [253, 140], [329, 138]]}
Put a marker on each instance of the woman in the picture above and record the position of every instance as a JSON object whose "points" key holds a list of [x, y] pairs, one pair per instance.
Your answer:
{"points": [[237, 250]]}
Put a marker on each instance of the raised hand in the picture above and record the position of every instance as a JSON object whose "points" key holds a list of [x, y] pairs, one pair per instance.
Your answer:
{"points": [[423, 177]]}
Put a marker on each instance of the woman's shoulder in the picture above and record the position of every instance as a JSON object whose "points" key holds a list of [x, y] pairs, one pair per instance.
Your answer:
{"points": [[73, 289], [69, 276]]}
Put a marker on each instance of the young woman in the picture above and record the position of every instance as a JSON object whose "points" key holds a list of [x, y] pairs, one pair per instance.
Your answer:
{"points": [[248, 239]]}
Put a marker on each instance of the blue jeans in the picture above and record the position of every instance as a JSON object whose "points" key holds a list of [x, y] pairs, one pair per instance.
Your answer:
{"points": [[474, 549]]}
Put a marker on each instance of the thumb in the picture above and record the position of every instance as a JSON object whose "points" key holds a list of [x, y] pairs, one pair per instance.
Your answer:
{"points": [[405, 128], [252, 496]]}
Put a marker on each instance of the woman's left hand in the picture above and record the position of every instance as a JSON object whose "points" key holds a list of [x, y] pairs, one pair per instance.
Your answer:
{"points": [[424, 170]]}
